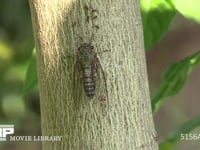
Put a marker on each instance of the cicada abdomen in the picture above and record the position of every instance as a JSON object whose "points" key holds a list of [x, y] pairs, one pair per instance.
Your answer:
{"points": [[89, 82]]}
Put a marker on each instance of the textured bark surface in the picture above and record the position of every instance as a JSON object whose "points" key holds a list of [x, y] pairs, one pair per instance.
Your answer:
{"points": [[124, 120]]}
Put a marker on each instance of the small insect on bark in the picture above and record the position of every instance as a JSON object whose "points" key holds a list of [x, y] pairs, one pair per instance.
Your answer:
{"points": [[90, 13]]}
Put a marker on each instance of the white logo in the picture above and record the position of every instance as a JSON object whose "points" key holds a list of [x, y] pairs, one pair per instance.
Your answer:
{"points": [[5, 130]]}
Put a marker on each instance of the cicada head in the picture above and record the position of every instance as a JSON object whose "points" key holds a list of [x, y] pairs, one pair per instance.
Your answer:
{"points": [[86, 53]]}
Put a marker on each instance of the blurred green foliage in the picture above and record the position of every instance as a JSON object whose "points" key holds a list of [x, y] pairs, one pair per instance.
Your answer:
{"points": [[174, 79], [157, 16], [16, 45]]}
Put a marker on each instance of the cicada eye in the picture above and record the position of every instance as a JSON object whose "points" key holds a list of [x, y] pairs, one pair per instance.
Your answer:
{"points": [[91, 47]]}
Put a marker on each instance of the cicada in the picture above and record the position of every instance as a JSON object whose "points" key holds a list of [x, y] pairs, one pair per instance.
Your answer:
{"points": [[90, 69]]}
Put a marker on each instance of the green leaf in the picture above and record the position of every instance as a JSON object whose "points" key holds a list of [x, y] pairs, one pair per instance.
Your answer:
{"points": [[174, 79], [172, 138], [31, 76], [189, 9], [156, 17]]}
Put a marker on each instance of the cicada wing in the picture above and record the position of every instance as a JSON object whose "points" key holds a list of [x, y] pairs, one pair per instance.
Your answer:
{"points": [[77, 83], [101, 83], [101, 103]]}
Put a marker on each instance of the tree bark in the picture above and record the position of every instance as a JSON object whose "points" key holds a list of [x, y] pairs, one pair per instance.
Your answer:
{"points": [[124, 119]]}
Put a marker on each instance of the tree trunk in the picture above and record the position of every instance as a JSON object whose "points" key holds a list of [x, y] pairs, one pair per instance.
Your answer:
{"points": [[123, 120]]}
